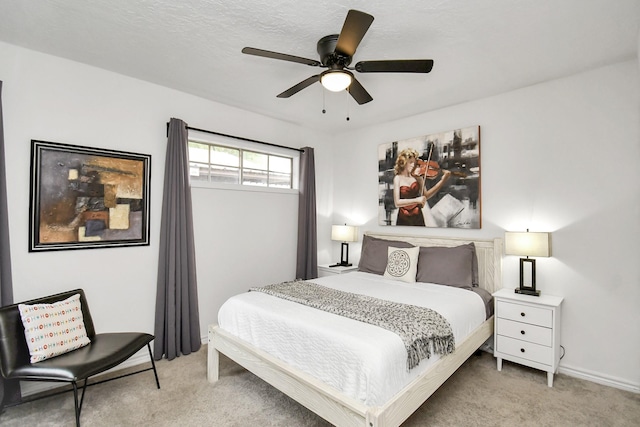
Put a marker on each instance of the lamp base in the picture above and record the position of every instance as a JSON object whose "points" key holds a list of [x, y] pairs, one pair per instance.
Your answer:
{"points": [[526, 291], [344, 256], [341, 264], [531, 267]]}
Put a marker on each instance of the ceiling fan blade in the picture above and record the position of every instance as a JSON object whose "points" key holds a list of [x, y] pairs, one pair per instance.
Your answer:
{"points": [[358, 92], [395, 66], [353, 30], [302, 85], [281, 56]]}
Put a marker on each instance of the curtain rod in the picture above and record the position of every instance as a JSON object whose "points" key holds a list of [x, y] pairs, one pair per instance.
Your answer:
{"points": [[239, 137]]}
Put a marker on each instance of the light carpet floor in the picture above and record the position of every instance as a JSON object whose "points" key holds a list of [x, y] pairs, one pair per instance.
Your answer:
{"points": [[476, 395]]}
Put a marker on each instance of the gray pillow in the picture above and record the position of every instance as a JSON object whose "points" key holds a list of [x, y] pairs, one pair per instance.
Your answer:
{"points": [[447, 266], [474, 266], [374, 255]]}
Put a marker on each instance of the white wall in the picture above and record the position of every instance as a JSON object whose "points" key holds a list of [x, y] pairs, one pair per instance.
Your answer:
{"points": [[57, 100], [562, 157]]}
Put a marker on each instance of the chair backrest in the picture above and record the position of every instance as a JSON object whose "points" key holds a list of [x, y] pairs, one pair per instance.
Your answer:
{"points": [[14, 351]]}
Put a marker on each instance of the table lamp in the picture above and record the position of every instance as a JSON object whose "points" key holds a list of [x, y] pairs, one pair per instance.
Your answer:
{"points": [[344, 233], [529, 245]]}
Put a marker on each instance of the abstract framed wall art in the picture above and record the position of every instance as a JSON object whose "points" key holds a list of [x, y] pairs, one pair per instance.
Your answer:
{"points": [[85, 198], [431, 180]]}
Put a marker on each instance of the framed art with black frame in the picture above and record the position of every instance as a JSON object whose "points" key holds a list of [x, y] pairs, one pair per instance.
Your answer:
{"points": [[86, 198]]}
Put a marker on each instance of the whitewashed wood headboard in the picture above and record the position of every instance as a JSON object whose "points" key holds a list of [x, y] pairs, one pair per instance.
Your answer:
{"points": [[488, 251]]}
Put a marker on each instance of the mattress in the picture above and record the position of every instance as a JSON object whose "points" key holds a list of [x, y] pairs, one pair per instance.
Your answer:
{"points": [[363, 361]]}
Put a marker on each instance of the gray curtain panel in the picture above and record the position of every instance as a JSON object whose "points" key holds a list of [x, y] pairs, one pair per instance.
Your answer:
{"points": [[307, 262], [9, 390], [6, 285], [177, 324]]}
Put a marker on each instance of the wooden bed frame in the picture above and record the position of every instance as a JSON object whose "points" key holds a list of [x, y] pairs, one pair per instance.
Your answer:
{"points": [[342, 410]]}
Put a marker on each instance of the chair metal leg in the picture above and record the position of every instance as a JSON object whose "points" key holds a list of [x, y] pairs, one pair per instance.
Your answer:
{"points": [[154, 365], [84, 388], [75, 401]]}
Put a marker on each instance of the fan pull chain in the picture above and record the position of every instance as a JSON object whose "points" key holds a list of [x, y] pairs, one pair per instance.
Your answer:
{"points": [[347, 98], [324, 110]]}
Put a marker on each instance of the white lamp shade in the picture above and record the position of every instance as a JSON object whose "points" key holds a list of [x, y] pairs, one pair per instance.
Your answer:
{"points": [[335, 80], [344, 233], [527, 244]]}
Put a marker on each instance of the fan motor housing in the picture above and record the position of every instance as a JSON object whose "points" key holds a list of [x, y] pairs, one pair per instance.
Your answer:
{"points": [[328, 55]]}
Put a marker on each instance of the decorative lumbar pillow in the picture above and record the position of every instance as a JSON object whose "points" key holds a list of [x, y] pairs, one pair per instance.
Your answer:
{"points": [[402, 263], [53, 329], [447, 266], [374, 254]]}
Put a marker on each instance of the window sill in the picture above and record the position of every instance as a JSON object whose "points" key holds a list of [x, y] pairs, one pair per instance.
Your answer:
{"points": [[239, 187]]}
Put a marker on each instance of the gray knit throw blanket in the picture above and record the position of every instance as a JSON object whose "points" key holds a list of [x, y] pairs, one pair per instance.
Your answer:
{"points": [[419, 328]]}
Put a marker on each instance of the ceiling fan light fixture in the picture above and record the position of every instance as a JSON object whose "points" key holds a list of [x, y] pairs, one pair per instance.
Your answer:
{"points": [[336, 80]]}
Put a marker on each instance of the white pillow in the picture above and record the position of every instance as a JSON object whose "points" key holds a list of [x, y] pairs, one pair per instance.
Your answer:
{"points": [[53, 329], [402, 263]]}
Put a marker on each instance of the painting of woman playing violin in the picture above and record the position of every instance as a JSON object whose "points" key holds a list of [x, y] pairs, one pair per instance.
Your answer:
{"points": [[431, 181]]}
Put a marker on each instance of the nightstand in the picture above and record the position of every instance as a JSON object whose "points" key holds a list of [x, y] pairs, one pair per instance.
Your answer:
{"points": [[324, 270], [527, 330]]}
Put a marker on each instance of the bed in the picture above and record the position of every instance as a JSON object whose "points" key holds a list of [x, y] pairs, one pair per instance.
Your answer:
{"points": [[354, 399]]}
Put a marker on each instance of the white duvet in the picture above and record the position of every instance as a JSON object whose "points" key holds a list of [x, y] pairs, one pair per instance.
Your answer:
{"points": [[363, 361]]}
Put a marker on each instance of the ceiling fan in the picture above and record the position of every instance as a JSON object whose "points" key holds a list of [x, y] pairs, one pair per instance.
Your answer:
{"points": [[336, 53]]}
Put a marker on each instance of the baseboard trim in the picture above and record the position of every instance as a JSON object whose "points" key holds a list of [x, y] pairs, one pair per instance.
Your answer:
{"points": [[599, 379], [29, 388]]}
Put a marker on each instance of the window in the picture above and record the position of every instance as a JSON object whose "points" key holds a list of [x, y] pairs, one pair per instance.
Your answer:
{"points": [[232, 165]]}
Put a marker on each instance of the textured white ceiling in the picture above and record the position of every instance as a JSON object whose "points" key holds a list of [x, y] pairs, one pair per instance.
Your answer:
{"points": [[480, 47]]}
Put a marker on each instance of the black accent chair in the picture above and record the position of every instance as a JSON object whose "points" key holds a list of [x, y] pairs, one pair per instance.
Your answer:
{"points": [[105, 351]]}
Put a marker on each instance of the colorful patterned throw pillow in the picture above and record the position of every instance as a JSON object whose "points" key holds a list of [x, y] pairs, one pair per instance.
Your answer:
{"points": [[53, 329]]}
